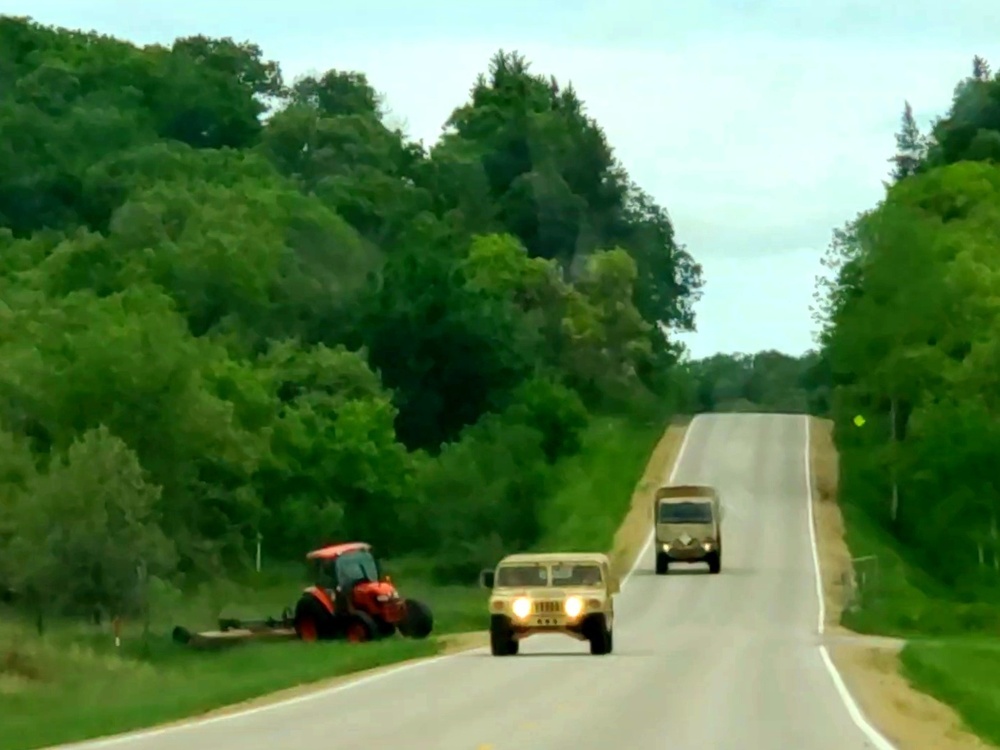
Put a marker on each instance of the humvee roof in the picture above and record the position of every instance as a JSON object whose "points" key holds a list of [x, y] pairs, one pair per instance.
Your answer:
{"points": [[548, 557]]}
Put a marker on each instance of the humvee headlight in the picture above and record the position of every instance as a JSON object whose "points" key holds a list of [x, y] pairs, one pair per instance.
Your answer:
{"points": [[573, 606], [706, 546], [521, 607]]}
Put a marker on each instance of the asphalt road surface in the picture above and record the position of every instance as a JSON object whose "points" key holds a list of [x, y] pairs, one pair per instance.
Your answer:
{"points": [[701, 662]]}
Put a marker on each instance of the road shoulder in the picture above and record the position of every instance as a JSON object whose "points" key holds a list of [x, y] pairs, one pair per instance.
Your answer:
{"points": [[871, 670]]}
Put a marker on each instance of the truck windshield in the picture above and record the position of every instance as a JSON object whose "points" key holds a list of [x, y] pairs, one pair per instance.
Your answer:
{"points": [[685, 513], [522, 575]]}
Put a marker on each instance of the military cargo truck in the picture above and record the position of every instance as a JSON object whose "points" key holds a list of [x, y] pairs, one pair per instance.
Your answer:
{"points": [[687, 522]]}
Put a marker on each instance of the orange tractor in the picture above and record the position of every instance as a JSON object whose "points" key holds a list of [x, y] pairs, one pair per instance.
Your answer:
{"points": [[350, 600]]}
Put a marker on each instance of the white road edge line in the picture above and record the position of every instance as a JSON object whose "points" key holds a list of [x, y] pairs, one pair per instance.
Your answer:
{"points": [[873, 735], [185, 725]]}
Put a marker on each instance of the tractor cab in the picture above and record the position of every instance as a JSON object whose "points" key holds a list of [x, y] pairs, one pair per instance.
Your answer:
{"points": [[351, 573], [336, 567]]}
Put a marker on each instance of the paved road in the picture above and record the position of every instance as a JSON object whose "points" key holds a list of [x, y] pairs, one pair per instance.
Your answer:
{"points": [[702, 662]]}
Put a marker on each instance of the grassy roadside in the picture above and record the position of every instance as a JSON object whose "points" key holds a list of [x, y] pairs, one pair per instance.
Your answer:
{"points": [[73, 685], [597, 485], [963, 673], [946, 677], [951, 651]]}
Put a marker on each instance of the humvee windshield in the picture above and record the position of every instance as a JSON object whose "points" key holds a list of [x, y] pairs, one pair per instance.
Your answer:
{"points": [[586, 574], [563, 574], [522, 575], [685, 513]]}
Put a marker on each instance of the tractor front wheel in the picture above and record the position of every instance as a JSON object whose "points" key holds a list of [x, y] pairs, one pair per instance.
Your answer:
{"points": [[417, 622]]}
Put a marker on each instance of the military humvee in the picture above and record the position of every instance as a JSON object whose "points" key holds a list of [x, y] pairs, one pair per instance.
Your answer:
{"points": [[687, 521], [568, 592]]}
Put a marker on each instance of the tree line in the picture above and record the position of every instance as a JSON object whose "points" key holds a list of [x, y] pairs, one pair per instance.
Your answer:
{"points": [[234, 306], [765, 381], [911, 336]]}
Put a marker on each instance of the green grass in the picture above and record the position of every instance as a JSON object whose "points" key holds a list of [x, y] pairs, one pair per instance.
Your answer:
{"points": [[895, 594], [73, 684], [963, 673], [77, 692], [951, 651], [899, 598], [596, 485]]}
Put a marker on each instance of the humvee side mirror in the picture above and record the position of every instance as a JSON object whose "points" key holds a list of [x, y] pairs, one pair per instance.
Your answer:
{"points": [[487, 578], [616, 585]]}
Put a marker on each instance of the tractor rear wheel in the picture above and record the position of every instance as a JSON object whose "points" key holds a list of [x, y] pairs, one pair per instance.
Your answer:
{"points": [[312, 622], [417, 622]]}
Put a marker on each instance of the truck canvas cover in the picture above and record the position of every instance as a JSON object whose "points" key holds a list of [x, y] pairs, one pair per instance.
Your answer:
{"points": [[677, 491]]}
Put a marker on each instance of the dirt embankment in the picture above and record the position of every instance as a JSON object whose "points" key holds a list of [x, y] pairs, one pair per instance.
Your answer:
{"points": [[907, 717]]}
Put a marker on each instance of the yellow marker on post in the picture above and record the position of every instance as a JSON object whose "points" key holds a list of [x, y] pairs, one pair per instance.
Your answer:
{"points": [[859, 421]]}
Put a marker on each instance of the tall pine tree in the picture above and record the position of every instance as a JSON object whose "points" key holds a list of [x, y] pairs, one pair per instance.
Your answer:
{"points": [[911, 147]]}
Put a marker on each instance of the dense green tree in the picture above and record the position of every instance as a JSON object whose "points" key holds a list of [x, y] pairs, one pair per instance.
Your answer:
{"points": [[231, 307], [910, 324]]}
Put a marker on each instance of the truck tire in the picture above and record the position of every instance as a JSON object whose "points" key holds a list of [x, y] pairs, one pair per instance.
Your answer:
{"points": [[662, 563], [714, 561]]}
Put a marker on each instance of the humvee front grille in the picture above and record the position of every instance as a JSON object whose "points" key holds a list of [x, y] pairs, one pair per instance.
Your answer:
{"points": [[544, 608]]}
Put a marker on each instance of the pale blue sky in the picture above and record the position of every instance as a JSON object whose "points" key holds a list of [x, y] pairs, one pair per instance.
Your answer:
{"points": [[760, 124]]}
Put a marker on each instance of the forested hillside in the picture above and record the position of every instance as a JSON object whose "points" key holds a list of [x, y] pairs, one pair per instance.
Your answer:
{"points": [[234, 305], [767, 381], [912, 337]]}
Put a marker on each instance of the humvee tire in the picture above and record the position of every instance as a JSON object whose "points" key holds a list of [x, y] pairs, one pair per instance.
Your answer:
{"points": [[501, 641], [600, 637], [714, 561], [662, 563]]}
